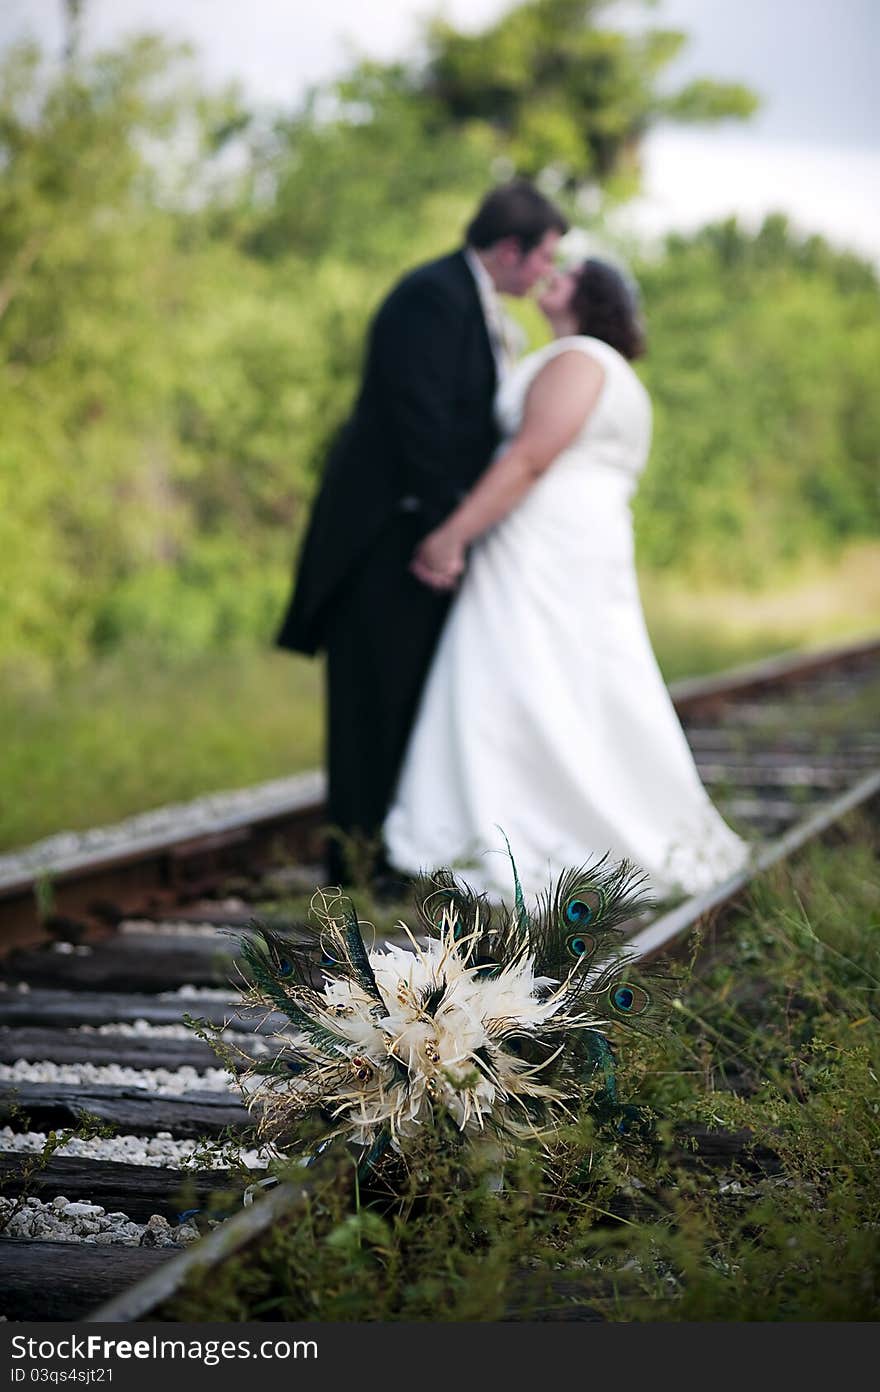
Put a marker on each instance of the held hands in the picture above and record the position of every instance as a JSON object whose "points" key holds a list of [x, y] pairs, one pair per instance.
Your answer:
{"points": [[439, 560]]}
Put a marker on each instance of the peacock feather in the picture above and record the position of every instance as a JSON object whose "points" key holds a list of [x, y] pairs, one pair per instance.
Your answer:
{"points": [[498, 1019]]}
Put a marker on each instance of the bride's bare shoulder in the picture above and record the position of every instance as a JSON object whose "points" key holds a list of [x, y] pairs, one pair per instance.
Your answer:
{"points": [[570, 363], [562, 394]]}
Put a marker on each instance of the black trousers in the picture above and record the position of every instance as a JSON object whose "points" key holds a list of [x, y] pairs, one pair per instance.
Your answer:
{"points": [[381, 634]]}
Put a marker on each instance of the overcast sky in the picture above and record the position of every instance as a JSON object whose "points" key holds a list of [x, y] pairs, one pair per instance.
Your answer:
{"points": [[814, 149]]}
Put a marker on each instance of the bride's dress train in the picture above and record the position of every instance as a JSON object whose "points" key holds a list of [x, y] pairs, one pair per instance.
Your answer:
{"points": [[545, 713]]}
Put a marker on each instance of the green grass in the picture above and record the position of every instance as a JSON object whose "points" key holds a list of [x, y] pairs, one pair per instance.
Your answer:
{"points": [[701, 628], [777, 1031], [142, 728], [136, 731]]}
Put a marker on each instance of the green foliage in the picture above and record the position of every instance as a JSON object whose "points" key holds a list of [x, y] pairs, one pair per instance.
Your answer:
{"points": [[93, 287], [767, 426], [440, 1254], [562, 93], [351, 179]]}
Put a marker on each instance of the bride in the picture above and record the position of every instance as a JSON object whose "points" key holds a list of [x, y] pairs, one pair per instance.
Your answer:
{"points": [[545, 713]]}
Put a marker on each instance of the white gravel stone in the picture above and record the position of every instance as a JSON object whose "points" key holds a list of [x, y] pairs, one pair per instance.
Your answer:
{"points": [[143, 1029], [161, 1151], [160, 1082]]}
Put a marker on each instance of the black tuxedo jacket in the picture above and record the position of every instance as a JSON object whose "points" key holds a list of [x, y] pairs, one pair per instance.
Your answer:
{"points": [[421, 432]]}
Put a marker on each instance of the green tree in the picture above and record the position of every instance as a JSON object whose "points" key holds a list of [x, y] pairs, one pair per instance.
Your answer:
{"points": [[359, 170], [767, 427], [546, 91], [180, 336], [564, 93], [90, 283]]}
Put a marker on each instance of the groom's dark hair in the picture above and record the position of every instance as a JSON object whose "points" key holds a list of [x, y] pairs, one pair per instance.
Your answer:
{"points": [[516, 210]]}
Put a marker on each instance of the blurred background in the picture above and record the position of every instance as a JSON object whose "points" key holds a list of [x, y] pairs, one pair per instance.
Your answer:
{"points": [[201, 204]]}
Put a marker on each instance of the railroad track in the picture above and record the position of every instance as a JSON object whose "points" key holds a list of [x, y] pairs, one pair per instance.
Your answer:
{"points": [[108, 940]]}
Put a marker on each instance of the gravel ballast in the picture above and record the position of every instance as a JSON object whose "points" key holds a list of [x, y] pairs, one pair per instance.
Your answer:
{"points": [[63, 1221]]}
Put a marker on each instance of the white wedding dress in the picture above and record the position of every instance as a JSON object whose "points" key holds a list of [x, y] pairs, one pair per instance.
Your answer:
{"points": [[544, 714]]}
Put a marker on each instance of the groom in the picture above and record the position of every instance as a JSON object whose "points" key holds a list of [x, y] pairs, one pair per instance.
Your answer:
{"points": [[420, 434]]}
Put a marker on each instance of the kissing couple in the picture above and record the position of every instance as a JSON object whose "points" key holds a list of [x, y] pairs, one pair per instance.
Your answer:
{"points": [[469, 571]]}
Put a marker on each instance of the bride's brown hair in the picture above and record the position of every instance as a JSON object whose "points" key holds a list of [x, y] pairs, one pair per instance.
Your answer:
{"points": [[607, 308]]}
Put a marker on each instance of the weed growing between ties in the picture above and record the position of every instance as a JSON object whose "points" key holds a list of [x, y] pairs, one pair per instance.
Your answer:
{"points": [[758, 1201], [24, 1176]]}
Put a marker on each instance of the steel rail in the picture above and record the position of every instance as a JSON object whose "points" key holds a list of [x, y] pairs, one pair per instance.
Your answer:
{"points": [[670, 928]]}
